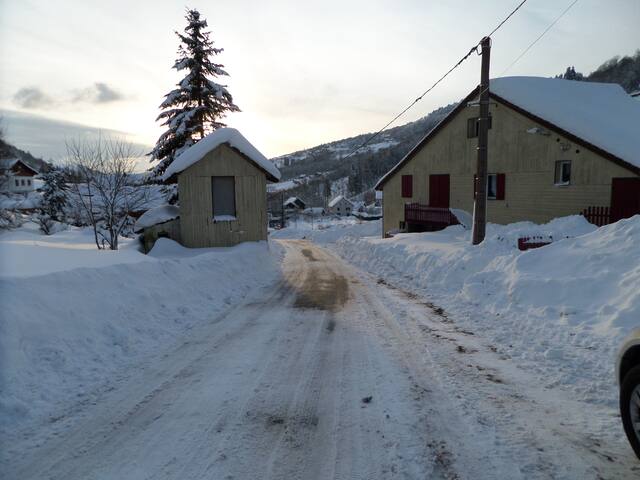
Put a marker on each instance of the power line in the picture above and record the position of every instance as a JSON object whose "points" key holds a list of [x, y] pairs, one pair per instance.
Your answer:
{"points": [[473, 49], [539, 37]]}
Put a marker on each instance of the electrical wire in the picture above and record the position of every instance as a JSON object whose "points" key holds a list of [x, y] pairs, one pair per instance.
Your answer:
{"points": [[472, 50]]}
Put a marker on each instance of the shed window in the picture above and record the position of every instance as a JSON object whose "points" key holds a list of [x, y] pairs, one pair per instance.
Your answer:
{"points": [[563, 172], [223, 194], [492, 186], [407, 186], [473, 125]]}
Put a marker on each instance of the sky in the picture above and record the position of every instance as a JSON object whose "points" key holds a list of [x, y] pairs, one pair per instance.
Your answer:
{"points": [[303, 73]]}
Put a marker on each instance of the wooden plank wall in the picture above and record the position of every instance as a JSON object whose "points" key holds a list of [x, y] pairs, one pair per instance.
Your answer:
{"points": [[197, 226]]}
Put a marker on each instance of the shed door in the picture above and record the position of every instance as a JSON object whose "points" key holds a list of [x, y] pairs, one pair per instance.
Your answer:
{"points": [[625, 198], [439, 191]]}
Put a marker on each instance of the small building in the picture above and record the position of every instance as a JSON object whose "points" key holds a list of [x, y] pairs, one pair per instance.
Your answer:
{"points": [[222, 192], [17, 176], [340, 206], [556, 147], [294, 203], [158, 222]]}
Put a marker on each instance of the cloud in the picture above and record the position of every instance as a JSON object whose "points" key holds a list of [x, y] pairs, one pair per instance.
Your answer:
{"points": [[99, 92], [32, 97]]}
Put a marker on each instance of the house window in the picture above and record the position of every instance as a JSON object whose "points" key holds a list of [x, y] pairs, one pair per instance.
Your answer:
{"points": [[29, 182], [22, 182], [407, 186], [492, 186], [17, 183], [223, 195], [563, 172], [473, 126]]}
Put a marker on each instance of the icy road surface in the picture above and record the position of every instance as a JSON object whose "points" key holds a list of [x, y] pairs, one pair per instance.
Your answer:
{"points": [[329, 374]]}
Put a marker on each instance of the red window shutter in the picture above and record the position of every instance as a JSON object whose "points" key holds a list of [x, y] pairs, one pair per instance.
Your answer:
{"points": [[500, 187], [407, 186], [475, 186]]}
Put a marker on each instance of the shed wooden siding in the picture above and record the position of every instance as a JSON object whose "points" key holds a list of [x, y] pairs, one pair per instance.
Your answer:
{"points": [[197, 227], [526, 159]]}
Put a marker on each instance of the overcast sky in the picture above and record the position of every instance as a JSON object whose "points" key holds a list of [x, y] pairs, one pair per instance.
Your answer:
{"points": [[303, 73]]}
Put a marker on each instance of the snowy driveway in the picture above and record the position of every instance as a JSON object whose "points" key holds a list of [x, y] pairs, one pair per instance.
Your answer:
{"points": [[329, 374]]}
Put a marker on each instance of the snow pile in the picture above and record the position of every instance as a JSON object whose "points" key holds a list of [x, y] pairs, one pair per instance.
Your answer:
{"points": [[328, 229], [66, 335], [601, 113], [561, 310], [156, 215], [230, 136]]}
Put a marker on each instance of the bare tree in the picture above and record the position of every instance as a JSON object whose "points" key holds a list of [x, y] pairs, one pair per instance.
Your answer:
{"points": [[106, 193]]}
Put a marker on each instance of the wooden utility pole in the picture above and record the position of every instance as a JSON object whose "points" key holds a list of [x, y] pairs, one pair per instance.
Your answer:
{"points": [[480, 204]]}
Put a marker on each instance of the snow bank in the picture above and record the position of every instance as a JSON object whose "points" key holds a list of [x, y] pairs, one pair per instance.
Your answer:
{"points": [[561, 310], [601, 113], [67, 335], [230, 136], [26, 252], [156, 215]]}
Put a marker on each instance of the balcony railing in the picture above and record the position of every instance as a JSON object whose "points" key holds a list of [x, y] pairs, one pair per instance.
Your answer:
{"points": [[417, 214]]}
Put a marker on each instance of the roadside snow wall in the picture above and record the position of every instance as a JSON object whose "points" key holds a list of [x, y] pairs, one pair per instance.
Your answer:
{"points": [[561, 310], [66, 335]]}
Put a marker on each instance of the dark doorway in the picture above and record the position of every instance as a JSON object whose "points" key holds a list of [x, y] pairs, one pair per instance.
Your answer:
{"points": [[625, 198], [439, 191]]}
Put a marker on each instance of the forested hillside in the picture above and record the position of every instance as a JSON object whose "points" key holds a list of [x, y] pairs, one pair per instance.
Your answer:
{"points": [[321, 172]]}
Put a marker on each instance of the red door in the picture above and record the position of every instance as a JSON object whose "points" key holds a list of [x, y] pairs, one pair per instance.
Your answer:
{"points": [[625, 198], [439, 191]]}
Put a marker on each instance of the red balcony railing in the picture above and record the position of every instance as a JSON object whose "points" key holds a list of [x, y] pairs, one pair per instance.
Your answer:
{"points": [[415, 213]]}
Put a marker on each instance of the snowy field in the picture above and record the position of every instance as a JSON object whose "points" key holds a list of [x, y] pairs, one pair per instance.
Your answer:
{"points": [[560, 311], [74, 318]]}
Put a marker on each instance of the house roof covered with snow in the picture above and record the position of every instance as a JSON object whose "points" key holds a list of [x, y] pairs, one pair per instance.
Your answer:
{"points": [[155, 216], [599, 116], [14, 163], [337, 200], [231, 137]]}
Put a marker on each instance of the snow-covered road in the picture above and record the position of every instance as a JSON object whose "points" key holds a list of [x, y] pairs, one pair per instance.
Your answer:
{"points": [[331, 373]]}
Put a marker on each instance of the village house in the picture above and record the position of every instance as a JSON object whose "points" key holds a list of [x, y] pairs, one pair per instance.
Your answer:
{"points": [[294, 203], [17, 176], [556, 147], [340, 206], [222, 194]]}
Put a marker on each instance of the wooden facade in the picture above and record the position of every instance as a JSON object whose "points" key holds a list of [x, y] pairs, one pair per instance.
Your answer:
{"points": [[523, 152], [198, 228]]}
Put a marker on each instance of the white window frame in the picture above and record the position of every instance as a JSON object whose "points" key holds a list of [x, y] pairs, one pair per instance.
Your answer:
{"points": [[559, 165]]}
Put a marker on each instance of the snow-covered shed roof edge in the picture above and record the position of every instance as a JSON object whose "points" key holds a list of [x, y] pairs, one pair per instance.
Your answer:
{"points": [[231, 137], [156, 216], [546, 123]]}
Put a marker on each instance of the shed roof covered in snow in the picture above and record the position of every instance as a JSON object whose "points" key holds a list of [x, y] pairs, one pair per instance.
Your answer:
{"points": [[337, 200], [231, 137], [599, 116], [155, 216]]}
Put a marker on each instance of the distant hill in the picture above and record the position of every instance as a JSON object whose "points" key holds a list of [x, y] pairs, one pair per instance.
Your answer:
{"points": [[625, 71], [9, 151], [319, 173]]}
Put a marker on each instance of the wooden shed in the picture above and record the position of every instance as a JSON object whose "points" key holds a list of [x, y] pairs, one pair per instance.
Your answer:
{"points": [[222, 190]]}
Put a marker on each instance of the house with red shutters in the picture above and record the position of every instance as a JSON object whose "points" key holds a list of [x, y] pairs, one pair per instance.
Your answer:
{"points": [[556, 147]]}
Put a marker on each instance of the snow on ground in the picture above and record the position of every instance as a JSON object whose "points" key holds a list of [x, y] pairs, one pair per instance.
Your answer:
{"points": [[561, 310], [327, 229], [74, 317]]}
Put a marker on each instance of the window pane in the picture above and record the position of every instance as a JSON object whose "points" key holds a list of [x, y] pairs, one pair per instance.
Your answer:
{"points": [[224, 196], [492, 185], [563, 172], [566, 172]]}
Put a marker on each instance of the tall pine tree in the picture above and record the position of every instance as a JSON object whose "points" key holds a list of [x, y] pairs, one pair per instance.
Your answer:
{"points": [[197, 106]]}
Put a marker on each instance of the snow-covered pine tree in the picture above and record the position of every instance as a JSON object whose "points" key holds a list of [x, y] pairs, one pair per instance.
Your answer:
{"points": [[197, 106], [54, 199]]}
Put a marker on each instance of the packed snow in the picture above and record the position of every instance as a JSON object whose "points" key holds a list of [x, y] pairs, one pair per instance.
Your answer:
{"points": [[562, 310], [74, 317], [603, 114], [230, 136], [156, 215]]}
